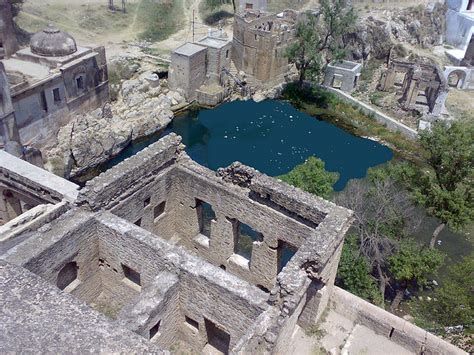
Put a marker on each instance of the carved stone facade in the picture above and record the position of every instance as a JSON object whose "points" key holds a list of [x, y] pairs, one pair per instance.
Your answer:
{"points": [[260, 42], [45, 86], [420, 85]]}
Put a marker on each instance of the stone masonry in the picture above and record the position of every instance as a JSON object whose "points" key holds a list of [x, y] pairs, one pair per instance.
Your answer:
{"points": [[419, 83], [161, 253]]}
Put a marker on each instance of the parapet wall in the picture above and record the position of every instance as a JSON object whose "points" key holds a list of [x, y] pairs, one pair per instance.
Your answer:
{"points": [[131, 174], [387, 324]]}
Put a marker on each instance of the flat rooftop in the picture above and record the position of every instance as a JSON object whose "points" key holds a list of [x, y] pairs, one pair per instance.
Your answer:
{"points": [[31, 70], [214, 42], [189, 49]]}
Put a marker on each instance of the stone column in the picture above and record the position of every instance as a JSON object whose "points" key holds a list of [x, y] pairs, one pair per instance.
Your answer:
{"points": [[12, 205]]}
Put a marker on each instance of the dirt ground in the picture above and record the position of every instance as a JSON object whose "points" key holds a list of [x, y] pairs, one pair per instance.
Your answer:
{"points": [[91, 22]]}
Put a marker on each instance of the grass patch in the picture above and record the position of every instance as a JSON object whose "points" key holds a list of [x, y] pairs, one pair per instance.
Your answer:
{"points": [[159, 20], [86, 20], [280, 5]]}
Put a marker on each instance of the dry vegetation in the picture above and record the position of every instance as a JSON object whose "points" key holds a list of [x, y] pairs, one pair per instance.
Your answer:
{"points": [[92, 21]]}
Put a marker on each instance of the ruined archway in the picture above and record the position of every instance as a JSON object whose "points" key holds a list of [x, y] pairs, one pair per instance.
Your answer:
{"points": [[456, 78]]}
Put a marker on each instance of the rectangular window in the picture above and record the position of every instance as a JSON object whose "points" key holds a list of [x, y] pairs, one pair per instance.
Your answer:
{"points": [[146, 202], [159, 210], [217, 337], [131, 275], [155, 331], [191, 322], [244, 240], [44, 103], [205, 215], [249, 6], [56, 96], [80, 82], [285, 253]]}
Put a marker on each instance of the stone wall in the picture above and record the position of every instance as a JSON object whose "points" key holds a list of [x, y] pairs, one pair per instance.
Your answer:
{"points": [[188, 69], [8, 42], [260, 42], [389, 122], [459, 28], [387, 324], [37, 317], [24, 186]]}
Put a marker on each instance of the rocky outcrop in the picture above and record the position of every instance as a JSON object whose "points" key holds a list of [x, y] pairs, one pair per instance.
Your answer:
{"points": [[374, 37], [91, 139], [370, 39]]}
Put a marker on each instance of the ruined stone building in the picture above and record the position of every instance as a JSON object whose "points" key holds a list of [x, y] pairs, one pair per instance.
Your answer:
{"points": [[259, 44], [8, 42], [47, 81], [162, 253], [421, 86]]}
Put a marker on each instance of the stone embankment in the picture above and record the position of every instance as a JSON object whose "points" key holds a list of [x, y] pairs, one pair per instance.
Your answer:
{"points": [[143, 107]]}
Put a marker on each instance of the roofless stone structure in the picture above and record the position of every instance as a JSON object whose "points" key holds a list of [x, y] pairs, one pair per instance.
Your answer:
{"points": [[161, 253]]}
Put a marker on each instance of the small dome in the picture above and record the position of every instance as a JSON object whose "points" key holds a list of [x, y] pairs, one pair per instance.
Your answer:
{"points": [[52, 42]]}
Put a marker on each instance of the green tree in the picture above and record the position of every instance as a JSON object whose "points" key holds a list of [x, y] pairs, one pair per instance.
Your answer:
{"points": [[311, 176], [354, 272], [410, 266], [445, 189], [319, 38], [453, 302], [384, 215]]}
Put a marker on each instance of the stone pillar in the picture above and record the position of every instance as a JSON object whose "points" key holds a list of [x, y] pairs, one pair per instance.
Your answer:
{"points": [[7, 30], [222, 239], [312, 309], [12, 205], [439, 103], [264, 263]]}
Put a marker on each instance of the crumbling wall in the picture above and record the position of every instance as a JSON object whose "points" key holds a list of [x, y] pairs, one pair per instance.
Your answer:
{"points": [[259, 44], [8, 42], [418, 79]]}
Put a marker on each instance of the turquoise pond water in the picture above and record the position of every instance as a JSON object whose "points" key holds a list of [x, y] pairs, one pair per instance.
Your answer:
{"points": [[271, 136]]}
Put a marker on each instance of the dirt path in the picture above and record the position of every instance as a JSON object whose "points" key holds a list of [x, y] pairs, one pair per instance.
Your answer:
{"points": [[185, 34]]}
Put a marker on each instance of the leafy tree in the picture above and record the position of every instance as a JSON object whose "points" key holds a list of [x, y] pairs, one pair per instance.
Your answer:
{"points": [[446, 188], [354, 272], [453, 302], [311, 176], [410, 266], [319, 38], [384, 216]]}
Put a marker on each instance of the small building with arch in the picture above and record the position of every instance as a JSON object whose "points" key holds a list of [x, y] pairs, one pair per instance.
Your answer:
{"points": [[460, 77]]}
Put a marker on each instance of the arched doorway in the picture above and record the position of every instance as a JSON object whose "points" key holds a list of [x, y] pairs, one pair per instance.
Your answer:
{"points": [[456, 78]]}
